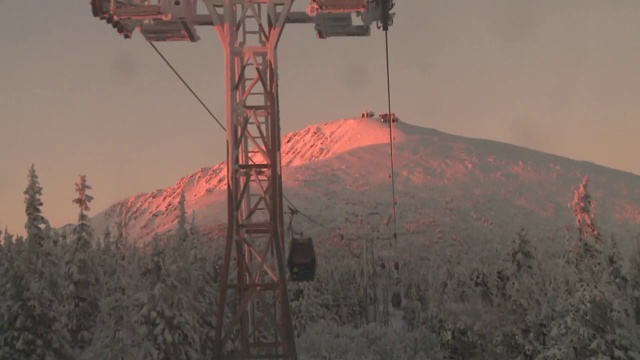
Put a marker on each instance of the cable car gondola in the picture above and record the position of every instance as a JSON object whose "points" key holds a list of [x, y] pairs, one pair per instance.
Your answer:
{"points": [[302, 259], [396, 299]]}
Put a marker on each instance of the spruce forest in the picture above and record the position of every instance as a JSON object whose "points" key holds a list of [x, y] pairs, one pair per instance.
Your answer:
{"points": [[83, 294]]}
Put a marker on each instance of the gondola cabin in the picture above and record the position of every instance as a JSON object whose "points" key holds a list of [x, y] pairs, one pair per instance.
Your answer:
{"points": [[396, 300], [302, 260]]}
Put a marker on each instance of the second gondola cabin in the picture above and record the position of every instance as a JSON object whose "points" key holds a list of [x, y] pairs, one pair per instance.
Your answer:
{"points": [[302, 260]]}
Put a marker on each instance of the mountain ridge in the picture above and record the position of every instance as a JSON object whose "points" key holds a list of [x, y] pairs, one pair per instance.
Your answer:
{"points": [[446, 184]]}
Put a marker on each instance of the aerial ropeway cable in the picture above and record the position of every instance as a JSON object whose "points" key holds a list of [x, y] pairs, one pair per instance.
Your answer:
{"points": [[385, 21], [184, 82], [241, 329]]}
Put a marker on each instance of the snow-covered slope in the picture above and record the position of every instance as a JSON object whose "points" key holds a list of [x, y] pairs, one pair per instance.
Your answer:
{"points": [[448, 188]]}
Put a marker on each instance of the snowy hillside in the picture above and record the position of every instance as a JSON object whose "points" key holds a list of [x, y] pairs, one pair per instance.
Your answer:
{"points": [[448, 188]]}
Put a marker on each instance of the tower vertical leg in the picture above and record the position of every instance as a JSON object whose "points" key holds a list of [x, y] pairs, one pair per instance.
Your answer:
{"points": [[253, 318]]}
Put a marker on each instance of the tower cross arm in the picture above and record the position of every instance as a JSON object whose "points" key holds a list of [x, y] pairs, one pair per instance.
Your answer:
{"points": [[159, 20]]}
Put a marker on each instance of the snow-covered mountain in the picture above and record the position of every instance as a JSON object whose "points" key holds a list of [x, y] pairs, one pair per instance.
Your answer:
{"points": [[448, 188]]}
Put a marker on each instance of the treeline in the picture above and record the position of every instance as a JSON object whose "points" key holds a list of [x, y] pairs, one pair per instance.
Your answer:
{"points": [[84, 296], [510, 304], [81, 295]]}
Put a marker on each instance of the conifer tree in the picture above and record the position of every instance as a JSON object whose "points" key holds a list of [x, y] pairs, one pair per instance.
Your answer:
{"points": [[115, 335], [200, 280], [614, 263], [168, 313], [592, 322], [36, 222], [3, 264], [523, 300], [11, 294], [194, 232], [587, 248], [63, 241], [634, 282], [82, 275], [6, 262], [621, 314], [51, 295], [35, 328], [7, 237], [181, 232], [119, 242], [106, 237], [83, 233]]}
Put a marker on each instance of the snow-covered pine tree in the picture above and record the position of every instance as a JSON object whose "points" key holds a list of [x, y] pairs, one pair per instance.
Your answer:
{"points": [[586, 249], [106, 236], [590, 324], [35, 329], [116, 334], [168, 314], [455, 306], [3, 264], [63, 240], [585, 309], [36, 222], [6, 262], [102, 346], [119, 243], [306, 306], [205, 286], [81, 274], [7, 236], [624, 342], [185, 275], [634, 282], [614, 263], [197, 278], [52, 235], [2, 258], [82, 232], [523, 257], [181, 231], [51, 294], [523, 301], [11, 295]]}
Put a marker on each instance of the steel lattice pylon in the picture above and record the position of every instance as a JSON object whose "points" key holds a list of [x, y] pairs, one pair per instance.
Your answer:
{"points": [[253, 316], [261, 324]]}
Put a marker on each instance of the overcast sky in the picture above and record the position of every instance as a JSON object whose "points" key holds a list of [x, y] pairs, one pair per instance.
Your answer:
{"points": [[561, 76]]}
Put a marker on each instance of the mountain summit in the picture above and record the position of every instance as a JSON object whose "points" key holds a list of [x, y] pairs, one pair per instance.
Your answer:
{"points": [[447, 187]]}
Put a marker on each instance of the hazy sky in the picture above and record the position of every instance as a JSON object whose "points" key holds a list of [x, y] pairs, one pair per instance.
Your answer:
{"points": [[561, 76]]}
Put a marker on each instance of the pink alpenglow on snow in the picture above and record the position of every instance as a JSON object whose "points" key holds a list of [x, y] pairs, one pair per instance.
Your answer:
{"points": [[447, 187]]}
